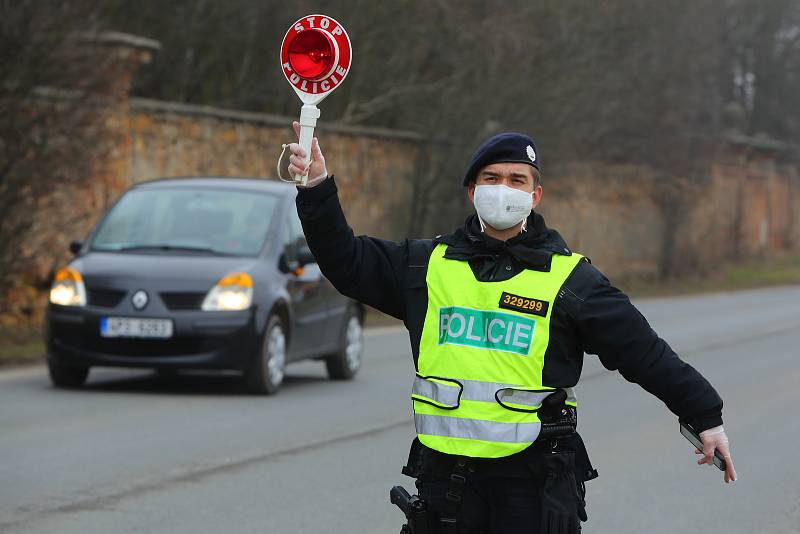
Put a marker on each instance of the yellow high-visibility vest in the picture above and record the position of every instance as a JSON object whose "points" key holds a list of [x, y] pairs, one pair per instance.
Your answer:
{"points": [[479, 380]]}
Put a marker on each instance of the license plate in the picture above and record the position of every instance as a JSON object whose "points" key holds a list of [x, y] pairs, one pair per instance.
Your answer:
{"points": [[135, 327]]}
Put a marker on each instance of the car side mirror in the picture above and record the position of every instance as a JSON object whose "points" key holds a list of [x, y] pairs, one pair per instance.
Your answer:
{"points": [[75, 247], [305, 256], [286, 265], [309, 274]]}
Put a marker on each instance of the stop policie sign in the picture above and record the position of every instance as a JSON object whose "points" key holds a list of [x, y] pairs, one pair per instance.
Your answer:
{"points": [[315, 57]]}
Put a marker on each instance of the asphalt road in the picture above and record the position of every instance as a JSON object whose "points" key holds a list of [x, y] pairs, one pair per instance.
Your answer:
{"points": [[137, 453]]}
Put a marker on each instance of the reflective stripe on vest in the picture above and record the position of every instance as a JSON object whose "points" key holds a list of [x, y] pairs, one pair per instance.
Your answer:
{"points": [[482, 350], [456, 427], [447, 393]]}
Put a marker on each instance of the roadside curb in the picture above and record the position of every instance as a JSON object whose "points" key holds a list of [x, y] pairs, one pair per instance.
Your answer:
{"points": [[17, 371], [383, 330]]}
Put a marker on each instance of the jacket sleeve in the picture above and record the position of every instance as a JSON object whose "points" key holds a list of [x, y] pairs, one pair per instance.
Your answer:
{"points": [[363, 268], [611, 327]]}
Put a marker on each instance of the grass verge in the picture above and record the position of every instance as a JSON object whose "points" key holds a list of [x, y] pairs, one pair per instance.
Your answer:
{"points": [[373, 318], [777, 271], [21, 347]]}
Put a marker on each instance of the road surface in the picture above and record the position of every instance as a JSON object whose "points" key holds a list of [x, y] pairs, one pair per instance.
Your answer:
{"points": [[137, 453]]}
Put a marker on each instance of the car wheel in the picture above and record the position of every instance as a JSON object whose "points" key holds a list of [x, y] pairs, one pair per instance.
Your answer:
{"points": [[266, 373], [347, 361], [67, 376]]}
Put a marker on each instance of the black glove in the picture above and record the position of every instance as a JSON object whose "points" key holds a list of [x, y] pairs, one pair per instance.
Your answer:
{"points": [[562, 506]]}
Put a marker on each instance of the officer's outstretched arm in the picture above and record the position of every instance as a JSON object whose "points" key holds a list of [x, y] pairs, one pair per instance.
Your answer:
{"points": [[610, 326], [364, 268]]}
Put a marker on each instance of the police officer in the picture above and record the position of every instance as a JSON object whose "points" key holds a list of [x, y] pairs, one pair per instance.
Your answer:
{"points": [[499, 314]]}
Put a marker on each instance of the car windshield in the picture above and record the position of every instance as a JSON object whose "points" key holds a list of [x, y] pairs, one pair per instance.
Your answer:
{"points": [[189, 220]]}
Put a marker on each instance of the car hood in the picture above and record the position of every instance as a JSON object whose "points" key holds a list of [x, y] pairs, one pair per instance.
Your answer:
{"points": [[177, 272]]}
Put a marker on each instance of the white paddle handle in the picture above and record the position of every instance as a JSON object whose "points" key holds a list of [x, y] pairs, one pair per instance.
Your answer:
{"points": [[309, 114]]}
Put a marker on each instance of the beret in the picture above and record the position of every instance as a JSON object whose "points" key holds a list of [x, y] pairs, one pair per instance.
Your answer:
{"points": [[507, 147]]}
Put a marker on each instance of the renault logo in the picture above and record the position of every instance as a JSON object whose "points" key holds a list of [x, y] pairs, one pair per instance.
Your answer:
{"points": [[140, 299]]}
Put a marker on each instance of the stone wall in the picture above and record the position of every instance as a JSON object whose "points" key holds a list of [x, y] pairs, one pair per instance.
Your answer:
{"points": [[608, 214], [746, 206], [374, 166]]}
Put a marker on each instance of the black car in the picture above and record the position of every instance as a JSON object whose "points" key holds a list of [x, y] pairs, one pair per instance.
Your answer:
{"points": [[199, 273]]}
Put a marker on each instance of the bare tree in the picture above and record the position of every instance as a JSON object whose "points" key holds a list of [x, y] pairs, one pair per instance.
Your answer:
{"points": [[47, 125]]}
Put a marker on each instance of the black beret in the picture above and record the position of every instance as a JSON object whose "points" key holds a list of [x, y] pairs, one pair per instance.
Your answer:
{"points": [[508, 147]]}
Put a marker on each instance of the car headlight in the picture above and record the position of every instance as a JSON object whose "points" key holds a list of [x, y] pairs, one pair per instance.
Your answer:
{"points": [[232, 293], [68, 288]]}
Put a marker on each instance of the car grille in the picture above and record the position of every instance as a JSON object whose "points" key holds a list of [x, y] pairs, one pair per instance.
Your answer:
{"points": [[183, 301], [147, 347], [87, 338], [104, 298], [135, 347]]}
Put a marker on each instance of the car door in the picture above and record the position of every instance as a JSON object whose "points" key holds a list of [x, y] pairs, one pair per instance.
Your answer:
{"points": [[308, 292]]}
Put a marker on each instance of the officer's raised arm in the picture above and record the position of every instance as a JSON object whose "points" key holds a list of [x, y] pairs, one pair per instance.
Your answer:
{"points": [[363, 267]]}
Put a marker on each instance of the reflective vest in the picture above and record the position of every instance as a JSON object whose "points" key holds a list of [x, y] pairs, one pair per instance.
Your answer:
{"points": [[479, 380]]}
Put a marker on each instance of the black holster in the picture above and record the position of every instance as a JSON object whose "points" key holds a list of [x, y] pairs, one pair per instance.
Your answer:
{"points": [[414, 508], [421, 465]]}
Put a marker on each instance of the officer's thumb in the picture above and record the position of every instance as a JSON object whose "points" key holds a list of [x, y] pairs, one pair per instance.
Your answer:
{"points": [[296, 126], [316, 151]]}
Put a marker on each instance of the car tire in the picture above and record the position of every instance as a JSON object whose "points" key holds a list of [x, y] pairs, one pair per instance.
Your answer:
{"points": [[67, 376], [347, 361], [266, 372]]}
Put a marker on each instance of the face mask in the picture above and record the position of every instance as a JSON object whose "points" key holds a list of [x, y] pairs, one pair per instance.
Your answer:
{"points": [[502, 207]]}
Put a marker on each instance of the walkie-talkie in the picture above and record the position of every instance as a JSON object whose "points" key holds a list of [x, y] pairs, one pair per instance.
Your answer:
{"points": [[694, 439]]}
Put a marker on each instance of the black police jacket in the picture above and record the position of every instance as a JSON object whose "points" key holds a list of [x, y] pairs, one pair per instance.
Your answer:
{"points": [[589, 314]]}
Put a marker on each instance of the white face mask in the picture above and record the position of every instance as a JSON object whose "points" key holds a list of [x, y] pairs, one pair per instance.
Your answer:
{"points": [[502, 207]]}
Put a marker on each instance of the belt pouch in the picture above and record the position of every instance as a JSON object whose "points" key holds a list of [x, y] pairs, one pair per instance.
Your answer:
{"points": [[562, 506]]}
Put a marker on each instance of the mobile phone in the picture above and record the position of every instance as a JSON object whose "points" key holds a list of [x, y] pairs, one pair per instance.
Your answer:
{"points": [[694, 438]]}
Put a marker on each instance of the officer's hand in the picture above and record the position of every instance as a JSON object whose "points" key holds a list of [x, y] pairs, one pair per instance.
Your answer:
{"points": [[316, 169], [716, 439]]}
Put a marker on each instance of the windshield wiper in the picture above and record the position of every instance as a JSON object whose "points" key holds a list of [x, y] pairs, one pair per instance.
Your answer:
{"points": [[165, 247]]}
